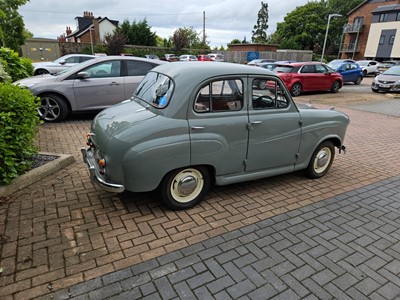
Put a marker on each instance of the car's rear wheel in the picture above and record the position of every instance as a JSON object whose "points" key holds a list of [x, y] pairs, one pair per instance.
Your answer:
{"points": [[335, 87], [296, 89], [358, 80], [321, 160], [365, 73], [41, 72], [184, 188], [52, 108]]}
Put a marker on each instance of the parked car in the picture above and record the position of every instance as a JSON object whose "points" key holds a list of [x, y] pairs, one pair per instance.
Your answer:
{"points": [[204, 57], [350, 71], [309, 77], [369, 67], [191, 124], [388, 81], [152, 56], [386, 64], [256, 62], [170, 57], [268, 65], [187, 57], [60, 64], [92, 85], [216, 57]]}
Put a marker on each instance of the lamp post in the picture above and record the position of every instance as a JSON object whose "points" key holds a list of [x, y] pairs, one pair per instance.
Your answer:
{"points": [[326, 33]]}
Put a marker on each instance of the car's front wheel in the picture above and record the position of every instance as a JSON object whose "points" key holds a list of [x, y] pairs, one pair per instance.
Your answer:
{"points": [[184, 188], [321, 160], [296, 89], [52, 108], [335, 87]]}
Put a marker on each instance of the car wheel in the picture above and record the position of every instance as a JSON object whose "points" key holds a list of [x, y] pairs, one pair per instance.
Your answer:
{"points": [[321, 160], [41, 72], [335, 87], [365, 73], [296, 89], [358, 80], [52, 108], [184, 188]]}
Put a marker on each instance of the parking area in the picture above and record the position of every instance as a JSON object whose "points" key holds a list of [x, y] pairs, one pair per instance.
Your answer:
{"points": [[286, 237]]}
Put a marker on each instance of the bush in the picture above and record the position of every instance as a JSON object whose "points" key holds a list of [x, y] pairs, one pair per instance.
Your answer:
{"points": [[15, 66], [18, 123]]}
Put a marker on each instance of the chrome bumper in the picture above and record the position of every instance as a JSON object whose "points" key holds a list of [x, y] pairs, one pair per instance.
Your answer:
{"points": [[95, 177]]}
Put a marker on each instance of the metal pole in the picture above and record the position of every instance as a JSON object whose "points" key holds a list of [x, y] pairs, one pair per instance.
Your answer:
{"points": [[326, 33]]}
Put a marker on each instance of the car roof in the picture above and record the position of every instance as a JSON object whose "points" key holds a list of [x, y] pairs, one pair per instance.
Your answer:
{"points": [[299, 64], [203, 71]]}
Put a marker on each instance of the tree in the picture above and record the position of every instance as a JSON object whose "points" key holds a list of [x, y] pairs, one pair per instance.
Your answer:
{"points": [[115, 43], [304, 28], [11, 24], [188, 38], [235, 41], [260, 29], [137, 33]]}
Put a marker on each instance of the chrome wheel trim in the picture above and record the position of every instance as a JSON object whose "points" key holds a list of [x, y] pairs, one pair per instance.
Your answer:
{"points": [[49, 109], [296, 89], [187, 185], [322, 160]]}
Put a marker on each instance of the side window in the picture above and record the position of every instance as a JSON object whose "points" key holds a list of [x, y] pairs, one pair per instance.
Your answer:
{"points": [[138, 68], [220, 95], [72, 60], [268, 94], [308, 69], [105, 69], [321, 69], [85, 58]]}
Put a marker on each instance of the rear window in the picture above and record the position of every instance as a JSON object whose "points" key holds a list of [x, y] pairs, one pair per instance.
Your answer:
{"points": [[283, 69], [155, 89]]}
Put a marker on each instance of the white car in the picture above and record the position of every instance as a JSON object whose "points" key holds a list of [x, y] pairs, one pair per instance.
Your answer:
{"points": [[60, 64], [216, 57], [369, 67], [187, 57]]}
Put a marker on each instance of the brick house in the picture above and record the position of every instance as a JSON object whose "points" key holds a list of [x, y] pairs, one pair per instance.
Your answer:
{"points": [[373, 31], [89, 29]]}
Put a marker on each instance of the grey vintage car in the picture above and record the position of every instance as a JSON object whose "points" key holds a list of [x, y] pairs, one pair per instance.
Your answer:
{"points": [[190, 125]]}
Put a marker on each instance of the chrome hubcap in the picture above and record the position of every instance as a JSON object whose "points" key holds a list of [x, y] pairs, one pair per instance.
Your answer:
{"points": [[186, 185]]}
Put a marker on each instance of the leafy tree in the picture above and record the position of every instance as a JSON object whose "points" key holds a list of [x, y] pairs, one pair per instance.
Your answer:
{"points": [[260, 29], [11, 24], [188, 38], [137, 33], [115, 43], [304, 28], [235, 41]]}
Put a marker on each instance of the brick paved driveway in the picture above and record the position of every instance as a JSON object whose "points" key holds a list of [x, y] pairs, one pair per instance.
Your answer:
{"points": [[63, 234]]}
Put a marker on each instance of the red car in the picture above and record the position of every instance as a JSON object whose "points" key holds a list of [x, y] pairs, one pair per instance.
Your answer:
{"points": [[204, 57], [302, 77]]}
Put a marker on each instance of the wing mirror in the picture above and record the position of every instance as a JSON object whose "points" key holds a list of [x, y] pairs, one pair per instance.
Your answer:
{"points": [[62, 62], [83, 75]]}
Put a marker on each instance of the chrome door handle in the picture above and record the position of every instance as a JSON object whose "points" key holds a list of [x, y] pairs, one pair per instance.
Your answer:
{"points": [[114, 83], [256, 122], [196, 127]]}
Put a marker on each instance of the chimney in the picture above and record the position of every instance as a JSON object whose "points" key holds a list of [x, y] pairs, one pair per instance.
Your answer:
{"points": [[68, 31], [88, 14]]}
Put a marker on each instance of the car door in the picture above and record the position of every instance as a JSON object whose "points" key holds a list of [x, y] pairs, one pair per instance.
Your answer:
{"points": [[325, 77], [347, 72], [274, 129], [218, 126], [134, 72], [309, 78], [104, 87]]}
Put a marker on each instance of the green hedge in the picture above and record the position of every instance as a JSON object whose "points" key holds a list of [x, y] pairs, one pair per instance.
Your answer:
{"points": [[17, 67], [18, 127]]}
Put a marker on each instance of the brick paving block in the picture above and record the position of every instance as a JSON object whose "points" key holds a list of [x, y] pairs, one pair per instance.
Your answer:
{"points": [[241, 289], [295, 285], [389, 291], [165, 288], [184, 291]]}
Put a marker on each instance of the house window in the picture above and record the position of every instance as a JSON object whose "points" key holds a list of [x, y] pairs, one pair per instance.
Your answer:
{"points": [[383, 17], [391, 40], [382, 40], [398, 16]]}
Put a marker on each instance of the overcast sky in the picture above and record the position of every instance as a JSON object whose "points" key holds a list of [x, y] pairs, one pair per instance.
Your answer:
{"points": [[224, 20]]}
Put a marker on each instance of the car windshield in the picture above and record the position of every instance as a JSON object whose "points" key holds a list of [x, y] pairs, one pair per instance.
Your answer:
{"points": [[155, 89], [393, 71], [335, 64], [76, 67], [362, 63]]}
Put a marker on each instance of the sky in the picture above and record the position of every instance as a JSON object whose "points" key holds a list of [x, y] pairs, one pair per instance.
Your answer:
{"points": [[224, 20]]}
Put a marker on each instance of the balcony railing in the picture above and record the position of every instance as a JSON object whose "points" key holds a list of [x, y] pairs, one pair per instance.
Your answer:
{"points": [[353, 28], [351, 47]]}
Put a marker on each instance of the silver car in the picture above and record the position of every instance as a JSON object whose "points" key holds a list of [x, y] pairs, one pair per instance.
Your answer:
{"points": [[191, 124], [388, 81], [60, 64], [92, 85]]}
